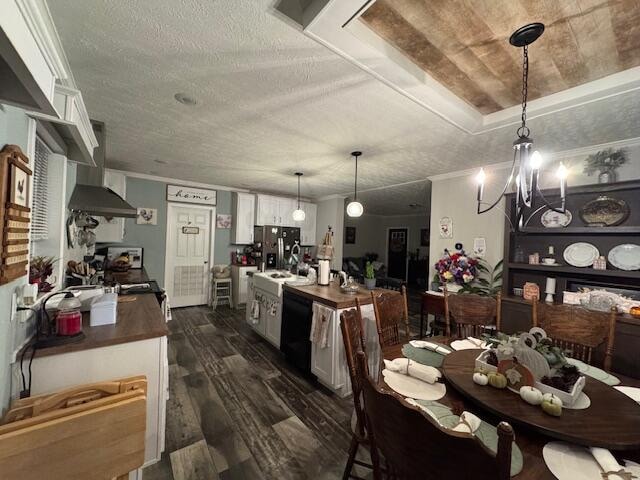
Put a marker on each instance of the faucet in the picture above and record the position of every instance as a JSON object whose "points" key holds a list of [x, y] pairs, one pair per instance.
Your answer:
{"points": [[293, 257]]}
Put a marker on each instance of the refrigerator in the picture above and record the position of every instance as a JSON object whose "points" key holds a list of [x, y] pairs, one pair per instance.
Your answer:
{"points": [[274, 244]]}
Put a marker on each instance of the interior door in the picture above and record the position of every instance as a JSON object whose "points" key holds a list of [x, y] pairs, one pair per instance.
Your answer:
{"points": [[188, 247], [397, 253]]}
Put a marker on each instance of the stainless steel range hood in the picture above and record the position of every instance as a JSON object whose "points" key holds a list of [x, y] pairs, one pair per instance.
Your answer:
{"points": [[90, 196]]}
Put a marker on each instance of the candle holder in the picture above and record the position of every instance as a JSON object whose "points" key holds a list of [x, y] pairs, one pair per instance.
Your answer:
{"points": [[550, 289]]}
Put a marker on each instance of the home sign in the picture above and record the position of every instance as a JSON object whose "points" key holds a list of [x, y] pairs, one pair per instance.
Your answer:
{"points": [[179, 193]]}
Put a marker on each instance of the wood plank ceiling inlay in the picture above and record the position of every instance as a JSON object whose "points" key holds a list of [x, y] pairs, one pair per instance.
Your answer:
{"points": [[464, 44]]}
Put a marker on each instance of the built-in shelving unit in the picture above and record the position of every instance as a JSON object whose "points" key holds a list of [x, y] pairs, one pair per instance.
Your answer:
{"points": [[553, 270]]}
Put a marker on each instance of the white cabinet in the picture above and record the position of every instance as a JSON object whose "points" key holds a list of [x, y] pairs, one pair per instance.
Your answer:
{"points": [[286, 206], [240, 283], [272, 210], [112, 230], [267, 210], [308, 225], [273, 321], [243, 211]]}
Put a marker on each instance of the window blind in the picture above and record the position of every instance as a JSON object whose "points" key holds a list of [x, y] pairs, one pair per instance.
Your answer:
{"points": [[40, 206]]}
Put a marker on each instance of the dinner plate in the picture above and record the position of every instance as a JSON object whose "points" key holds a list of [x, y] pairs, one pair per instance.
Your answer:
{"points": [[625, 256], [467, 345], [632, 392], [412, 387], [553, 219], [581, 254]]}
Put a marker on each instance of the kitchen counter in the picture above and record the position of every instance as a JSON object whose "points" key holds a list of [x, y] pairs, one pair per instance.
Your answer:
{"points": [[133, 275], [137, 320], [332, 296]]}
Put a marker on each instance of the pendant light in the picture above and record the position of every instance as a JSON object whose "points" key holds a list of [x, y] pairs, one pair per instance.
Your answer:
{"points": [[298, 214], [355, 208]]}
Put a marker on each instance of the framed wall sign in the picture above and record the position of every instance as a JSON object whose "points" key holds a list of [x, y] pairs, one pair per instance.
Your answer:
{"points": [[446, 227], [191, 230], [202, 196], [350, 235]]}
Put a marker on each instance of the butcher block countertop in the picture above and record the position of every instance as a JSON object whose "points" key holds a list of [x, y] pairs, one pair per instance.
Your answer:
{"points": [[332, 296], [138, 319]]}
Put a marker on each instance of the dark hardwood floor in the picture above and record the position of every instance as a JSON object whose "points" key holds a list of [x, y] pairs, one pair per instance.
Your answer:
{"points": [[238, 411]]}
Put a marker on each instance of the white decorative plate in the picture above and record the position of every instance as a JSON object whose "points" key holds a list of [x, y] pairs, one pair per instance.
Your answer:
{"points": [[412, 387], [553, 219], [632, 392], [625, 256], [581, 254]]}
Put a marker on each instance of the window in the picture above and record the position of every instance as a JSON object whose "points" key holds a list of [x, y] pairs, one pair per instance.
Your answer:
{"points": [[40, 210]]}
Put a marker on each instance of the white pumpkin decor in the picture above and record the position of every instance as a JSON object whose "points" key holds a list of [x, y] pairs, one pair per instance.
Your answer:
{"points": [[480, 378], [531, 395]]}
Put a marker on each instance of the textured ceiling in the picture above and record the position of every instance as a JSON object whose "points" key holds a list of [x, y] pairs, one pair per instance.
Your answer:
{"points": [[465, 46], [271, 101], [407, 198]]}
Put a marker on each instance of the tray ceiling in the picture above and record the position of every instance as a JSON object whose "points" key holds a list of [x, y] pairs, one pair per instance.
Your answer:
{"points": [[464, 44]]}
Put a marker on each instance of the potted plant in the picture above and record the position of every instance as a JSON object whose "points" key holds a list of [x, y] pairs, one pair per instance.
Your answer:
{"points": [[456, 269], [488, 282], [40, 269], [606, 162], [369, 276]]}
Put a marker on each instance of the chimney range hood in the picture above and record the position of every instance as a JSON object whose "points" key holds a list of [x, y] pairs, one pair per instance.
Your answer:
{"points": [[89, 195]]}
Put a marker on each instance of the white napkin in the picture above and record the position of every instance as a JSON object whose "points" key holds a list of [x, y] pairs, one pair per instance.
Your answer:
{"points": [[429, 346], [467, 420], [413, 369], [476, 341], [607, 462]]}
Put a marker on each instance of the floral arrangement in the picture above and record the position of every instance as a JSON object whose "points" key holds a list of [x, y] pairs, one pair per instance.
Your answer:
{"points": [[456, 268]]}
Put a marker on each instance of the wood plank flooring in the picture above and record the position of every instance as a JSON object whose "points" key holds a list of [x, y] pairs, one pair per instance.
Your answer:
{"points": [[239, 411]]}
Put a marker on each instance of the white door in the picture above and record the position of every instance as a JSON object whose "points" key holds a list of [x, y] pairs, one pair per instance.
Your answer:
{"points": [[189, 240]]}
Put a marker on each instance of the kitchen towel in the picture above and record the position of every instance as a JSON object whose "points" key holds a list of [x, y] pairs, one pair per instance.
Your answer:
{"points": [[320, 324], [255, 311], [413, 369]]}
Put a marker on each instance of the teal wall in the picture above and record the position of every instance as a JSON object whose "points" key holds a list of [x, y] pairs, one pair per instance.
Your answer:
{"points": [[153, 194]]}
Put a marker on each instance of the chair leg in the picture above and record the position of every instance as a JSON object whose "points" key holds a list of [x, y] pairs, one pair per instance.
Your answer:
{"points": [[353, 450]]}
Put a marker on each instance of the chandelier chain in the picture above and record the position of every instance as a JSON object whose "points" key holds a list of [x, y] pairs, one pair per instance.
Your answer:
{"points": [[523, 131]]}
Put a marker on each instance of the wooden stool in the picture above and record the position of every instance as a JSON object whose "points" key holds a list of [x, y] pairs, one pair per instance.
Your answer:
{"points": [[221, 291]]}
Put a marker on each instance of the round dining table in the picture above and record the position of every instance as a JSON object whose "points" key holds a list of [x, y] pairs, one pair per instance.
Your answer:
{"points": [[598, 425]]}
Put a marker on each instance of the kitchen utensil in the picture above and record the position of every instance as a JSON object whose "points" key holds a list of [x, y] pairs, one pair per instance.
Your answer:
{"points": [[581, 254], [625, 256], [604, 211], [553, 219]]}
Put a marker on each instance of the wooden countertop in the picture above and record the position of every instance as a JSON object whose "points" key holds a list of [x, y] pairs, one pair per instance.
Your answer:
{"points": [[137, 320], [133, 275], [332, 296]]}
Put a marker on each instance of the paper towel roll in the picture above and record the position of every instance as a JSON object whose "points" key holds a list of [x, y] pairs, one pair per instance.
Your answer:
{"points": [[324, 269]]}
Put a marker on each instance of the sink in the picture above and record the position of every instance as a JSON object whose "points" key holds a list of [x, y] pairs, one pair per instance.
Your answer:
{"points": [[271, 282]]}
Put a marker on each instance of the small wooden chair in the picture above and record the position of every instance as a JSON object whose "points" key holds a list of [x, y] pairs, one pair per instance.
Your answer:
{"points": [[389, 283], [578, 329], [431, 304], [353, 338], [391, 310], [415, 447], [471, 313]]}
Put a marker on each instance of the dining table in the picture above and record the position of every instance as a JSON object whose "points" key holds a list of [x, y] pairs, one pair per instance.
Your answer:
{"points": [[533, 428]]}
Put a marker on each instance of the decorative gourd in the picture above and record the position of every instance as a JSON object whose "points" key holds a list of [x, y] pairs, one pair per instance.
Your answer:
{"points": [[497, 380], [480, 378], [531, 395], [551, 404]]}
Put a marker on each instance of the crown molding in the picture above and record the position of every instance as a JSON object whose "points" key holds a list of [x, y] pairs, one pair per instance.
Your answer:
{"points": [[177, 181]]}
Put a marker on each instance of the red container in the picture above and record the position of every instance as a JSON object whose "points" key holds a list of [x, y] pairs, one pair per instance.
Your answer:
{"points": [[69, 322]]}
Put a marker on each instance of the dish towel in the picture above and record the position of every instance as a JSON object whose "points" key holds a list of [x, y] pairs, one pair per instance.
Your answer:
{"points": [[255, 311], [413, 369], [320, 323], [612, 470], [430, 346]]}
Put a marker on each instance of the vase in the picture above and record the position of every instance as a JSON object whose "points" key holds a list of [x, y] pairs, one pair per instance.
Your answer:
{"points": [[607, 176], [453, 287], [370, 283]]}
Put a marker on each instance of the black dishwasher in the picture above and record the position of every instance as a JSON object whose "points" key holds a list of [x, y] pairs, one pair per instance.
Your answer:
{"points": [[297, 314]]}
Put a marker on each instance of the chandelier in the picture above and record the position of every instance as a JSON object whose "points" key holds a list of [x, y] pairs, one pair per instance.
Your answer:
{"points": [[527, 163]]}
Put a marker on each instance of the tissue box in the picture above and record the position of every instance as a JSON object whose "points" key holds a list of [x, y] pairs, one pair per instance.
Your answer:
{"points": [[104, 309]]}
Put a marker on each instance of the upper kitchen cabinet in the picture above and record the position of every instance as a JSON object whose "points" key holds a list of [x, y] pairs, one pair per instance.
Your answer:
{"points": [[36, 75], [286, 207], [243, 210], [267, 210], [308, 225]]}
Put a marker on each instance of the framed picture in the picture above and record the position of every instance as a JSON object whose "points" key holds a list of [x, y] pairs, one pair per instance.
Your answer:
{"points": [[350, 235], [446, 227], [147, 216], [424, 237], [19, 190], [223, 221]]}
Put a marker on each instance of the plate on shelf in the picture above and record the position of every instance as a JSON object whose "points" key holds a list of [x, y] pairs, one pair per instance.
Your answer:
{"points": [[604, 212], [625, 256], [553, 219], [581, 254]]}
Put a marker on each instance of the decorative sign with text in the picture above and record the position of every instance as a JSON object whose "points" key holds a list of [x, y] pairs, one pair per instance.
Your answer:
{"points": [[178, 193]]}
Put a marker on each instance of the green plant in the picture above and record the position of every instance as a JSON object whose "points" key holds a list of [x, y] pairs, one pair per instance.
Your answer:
{"points": [[605, 161], [40, 268], [488, 282], [369, 272]]}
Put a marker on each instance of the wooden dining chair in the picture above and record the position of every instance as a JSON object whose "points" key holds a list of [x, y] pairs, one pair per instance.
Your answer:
{"points": [[577, 329], [415, 447], [431, 304], [391, 310], [353, 338], [471, 313]]}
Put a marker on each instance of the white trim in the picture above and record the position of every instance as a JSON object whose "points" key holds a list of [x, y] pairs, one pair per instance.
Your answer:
{"points": [[386, 252], [212, 229], [177, 181]]}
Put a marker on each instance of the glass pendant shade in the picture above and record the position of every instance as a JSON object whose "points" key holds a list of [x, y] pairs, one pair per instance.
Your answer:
{"points": [[298, 215], [355, 209]]}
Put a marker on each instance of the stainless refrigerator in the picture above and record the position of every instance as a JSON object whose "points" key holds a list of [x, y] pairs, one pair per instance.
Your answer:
{"points": [[275, 244]]}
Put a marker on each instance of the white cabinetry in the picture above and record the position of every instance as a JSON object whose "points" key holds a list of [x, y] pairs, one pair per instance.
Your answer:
{"points": [[240, 283], [272, 210], [286, 206], [308, 225], [243, 211], [112, 230], [267, 210]]}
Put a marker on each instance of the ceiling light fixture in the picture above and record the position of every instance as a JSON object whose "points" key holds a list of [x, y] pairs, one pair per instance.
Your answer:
{"points": [[528, 163], [298, 214], [185, 99], [355, 208]]}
